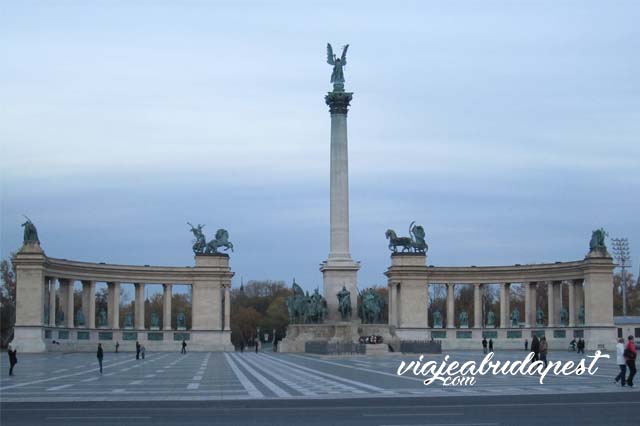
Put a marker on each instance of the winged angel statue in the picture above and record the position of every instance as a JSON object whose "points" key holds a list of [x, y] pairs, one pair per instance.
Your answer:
{"points": [[337, 76]]}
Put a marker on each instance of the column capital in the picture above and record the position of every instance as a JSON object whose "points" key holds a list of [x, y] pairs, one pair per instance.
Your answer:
{"points": [[338, 102]]}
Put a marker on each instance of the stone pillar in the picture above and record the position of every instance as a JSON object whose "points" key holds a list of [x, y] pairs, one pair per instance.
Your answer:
{"points": [[52, 302], [534, 303], [504, 305], [557, 297], [139, 309], [339, 269], [551, 304], [408, 275], [113, 305], [572, 303], [527, 304], [598, 291], [392, 305], [30, 279], [450, 305], [477, 306], [69, 309], [227, 307], [166, 307], [88, 298]]}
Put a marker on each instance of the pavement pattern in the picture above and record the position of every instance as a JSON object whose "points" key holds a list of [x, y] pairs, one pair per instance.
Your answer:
{"points": [[215, 376]]}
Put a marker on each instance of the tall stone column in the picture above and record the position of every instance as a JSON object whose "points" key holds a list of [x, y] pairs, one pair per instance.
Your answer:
{"points": [[227, 307], [450, 305], [139, 310], [572, 303], [70, 314], [166, 307], [551, 304], [339, 269], [113, 304], [477, 306], [527, 304], [52, 302]]}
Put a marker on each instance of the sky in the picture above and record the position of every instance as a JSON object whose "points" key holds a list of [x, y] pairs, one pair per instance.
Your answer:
{"points": [[508, 129]]}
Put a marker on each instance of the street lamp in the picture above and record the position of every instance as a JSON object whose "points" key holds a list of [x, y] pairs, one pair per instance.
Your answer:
{"points": [[623, 256]]}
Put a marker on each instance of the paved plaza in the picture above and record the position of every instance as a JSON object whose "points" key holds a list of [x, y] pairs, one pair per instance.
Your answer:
{"points": [[244, 376]]}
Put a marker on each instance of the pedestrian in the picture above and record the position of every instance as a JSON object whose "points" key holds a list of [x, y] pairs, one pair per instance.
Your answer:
{"points": [[622, 363], [581, 345], [117, 346], [13, 359], [573, 345], [241, 347], [256, 346], [137, 350], [142, 351], [184, 347], [535, 348], [526, 345], [543, 350], [490, 345], [100, 355], [630, 355], [484, 345]]}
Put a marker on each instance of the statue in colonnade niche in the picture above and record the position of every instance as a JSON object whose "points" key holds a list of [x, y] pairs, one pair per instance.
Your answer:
{"points": [[437, 319], [515, 317], [128, 320], [491, 319], [581, 315], [464, 319], [344, 303], [181, 320], [539, 317], [102, 318], [80, 318], [564, 316], [30, 235], [60, 317], [155, 320]]}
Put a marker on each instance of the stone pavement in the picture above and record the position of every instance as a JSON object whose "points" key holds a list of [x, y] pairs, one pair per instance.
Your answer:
{"points": [[237, 376]]}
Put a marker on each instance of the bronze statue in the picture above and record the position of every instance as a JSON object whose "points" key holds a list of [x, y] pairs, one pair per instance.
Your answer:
{"points": [[539, 317], [564, 316], [221, 240], [437, 319], [30, 233], [371, 306], [79, 319], [515, 317], [102, 318], [181, 320], [418, 242], [128, 320], [344, 303], [337, 76], [463, 317], [415, 243], [199, 243], [597, 240], [305, 309], [491, 319], [155, 320], [395, 241]]}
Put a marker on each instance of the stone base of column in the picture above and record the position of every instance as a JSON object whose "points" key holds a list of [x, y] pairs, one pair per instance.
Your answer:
{"points": [[28, 339], [337, 274]]}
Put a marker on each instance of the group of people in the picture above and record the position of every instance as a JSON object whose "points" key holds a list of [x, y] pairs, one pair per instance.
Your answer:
{"points": [[539, 347], [577, 346], [626, 358], [485, 345]]}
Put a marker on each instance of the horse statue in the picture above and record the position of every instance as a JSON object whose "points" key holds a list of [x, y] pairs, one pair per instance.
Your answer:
{"points": [[395, 241], [597, 240], [371, 306], [199, 243], [221, 240], [297, 304], [418, 243]]}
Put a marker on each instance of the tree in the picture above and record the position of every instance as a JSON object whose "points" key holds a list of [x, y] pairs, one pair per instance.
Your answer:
{"points": [[7, 300], [633, 294]]}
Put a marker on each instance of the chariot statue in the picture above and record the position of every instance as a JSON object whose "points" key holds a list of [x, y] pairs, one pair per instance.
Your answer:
{"points": [[344, 303], [337, 76], [597, 240], [415, 243], [30, 235]]}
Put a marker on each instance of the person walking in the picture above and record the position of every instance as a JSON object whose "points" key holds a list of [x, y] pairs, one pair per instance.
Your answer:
{"points": [[257, 346], [490, 345], [630, 355], [137, 350], [143, 350], [526, 345], [535, 348], [13, 359], [184, 347], [117, 346], [543, 350], [622, 363], [484, 345], [580, 345], [100, 355]]}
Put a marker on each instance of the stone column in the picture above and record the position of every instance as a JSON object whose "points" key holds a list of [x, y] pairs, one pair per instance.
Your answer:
{"points": [[534, 302], [551, 305], [52, 302], [504, 305], [527, 304], [572, 302], [69, 314], [339, 269], [166, 307], [450, 305], [477, 306], [392, 306], [227, 307], [139, 310], [89, 303], [113, 304], [30, 299]]}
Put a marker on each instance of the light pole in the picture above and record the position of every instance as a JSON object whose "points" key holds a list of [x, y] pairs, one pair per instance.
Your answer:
{"points": [[623, 257]]}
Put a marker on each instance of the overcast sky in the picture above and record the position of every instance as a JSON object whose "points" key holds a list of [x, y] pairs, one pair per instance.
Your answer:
{"points": [[508, 129]]}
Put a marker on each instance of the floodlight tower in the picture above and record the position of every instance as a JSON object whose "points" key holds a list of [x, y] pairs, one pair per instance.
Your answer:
{"points": [[623, 256]]}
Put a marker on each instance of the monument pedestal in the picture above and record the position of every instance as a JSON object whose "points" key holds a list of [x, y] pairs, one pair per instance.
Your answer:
{"points": [[335, 275]]}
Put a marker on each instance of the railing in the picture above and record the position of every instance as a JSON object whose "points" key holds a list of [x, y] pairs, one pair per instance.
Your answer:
{"points": [[326, 348], [421, 346]]}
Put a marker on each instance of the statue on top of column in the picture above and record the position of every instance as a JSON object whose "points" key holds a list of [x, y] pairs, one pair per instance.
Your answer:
{"points": [[200, 245], [597, 240], [337, 76], [30, 233], [415, 243]]}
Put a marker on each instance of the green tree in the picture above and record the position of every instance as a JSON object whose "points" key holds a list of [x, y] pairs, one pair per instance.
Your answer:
{"points": [[7, 300]]}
